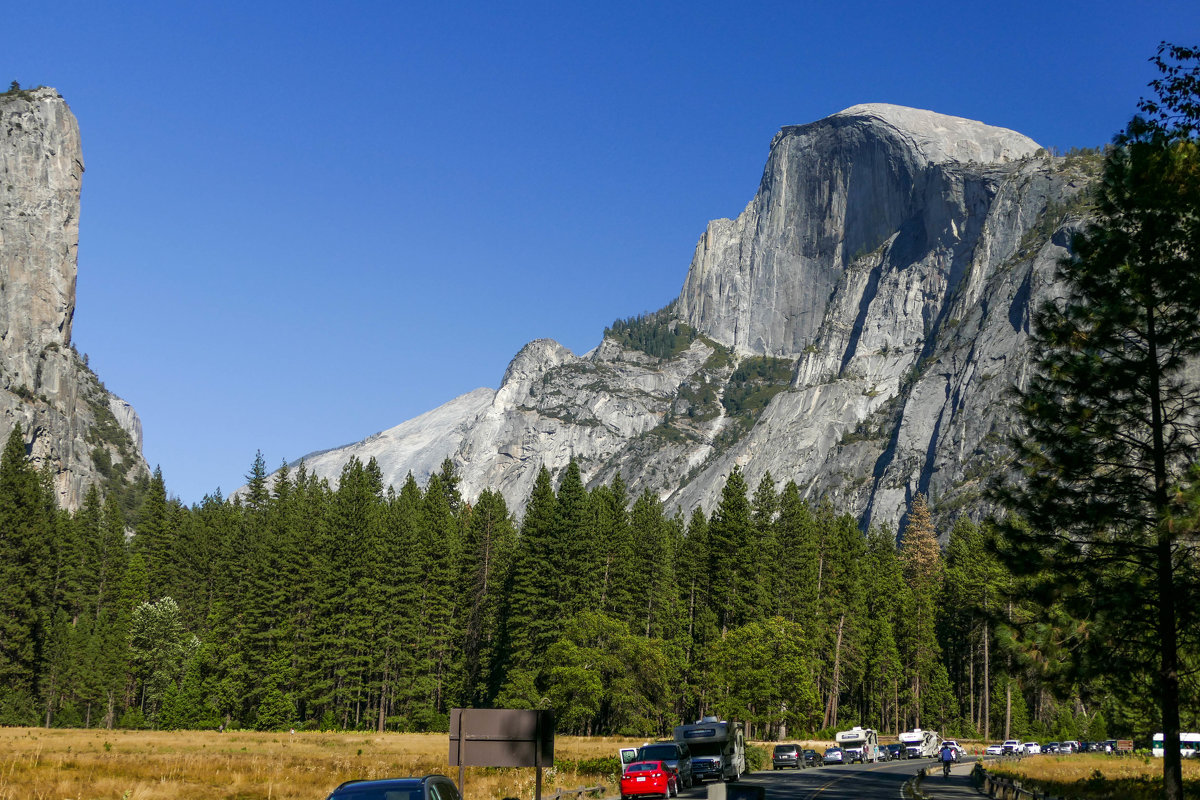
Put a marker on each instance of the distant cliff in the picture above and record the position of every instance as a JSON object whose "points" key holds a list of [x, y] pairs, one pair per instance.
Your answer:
{"points": [[72, 424], [855, 330]]}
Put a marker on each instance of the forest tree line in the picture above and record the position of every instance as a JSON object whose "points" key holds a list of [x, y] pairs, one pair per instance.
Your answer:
{"points": [[358, 606]]}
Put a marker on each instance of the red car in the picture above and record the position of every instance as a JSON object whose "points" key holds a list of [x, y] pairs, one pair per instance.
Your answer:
{"points": [[648, 777]]}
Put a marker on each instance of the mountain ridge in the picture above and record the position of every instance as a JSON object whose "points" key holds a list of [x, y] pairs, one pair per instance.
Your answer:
{"points": [[885, 256]]}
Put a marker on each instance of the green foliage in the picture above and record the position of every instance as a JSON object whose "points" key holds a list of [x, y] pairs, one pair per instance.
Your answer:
{"points": [[757, 757], [657, 334], [1108, 493], [754, 383]]}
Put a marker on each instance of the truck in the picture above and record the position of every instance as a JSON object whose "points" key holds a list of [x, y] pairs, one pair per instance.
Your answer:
{"points": [[718, 748], [859, 744], [920, 744]]}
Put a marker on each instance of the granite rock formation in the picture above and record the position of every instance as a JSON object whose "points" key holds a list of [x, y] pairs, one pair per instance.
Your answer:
{"points": [[887, 265], [71, 423]]}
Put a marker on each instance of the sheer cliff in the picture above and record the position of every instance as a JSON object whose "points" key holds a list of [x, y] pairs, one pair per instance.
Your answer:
{"points": [[72, 425], [855, 330]]}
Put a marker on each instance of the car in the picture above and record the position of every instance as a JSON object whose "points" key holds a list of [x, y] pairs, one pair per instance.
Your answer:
{"points": [[895, 750], [786, 755], [1011, 747], [649, 778], [430, 787], [953, 745], [811, 758], [995, 750], [677, 757], [882, 754], [1032, 748], [834, 755], [1051, 747]]}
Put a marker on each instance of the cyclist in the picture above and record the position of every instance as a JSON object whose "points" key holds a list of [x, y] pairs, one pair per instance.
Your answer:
{"points": [[947, 758]]}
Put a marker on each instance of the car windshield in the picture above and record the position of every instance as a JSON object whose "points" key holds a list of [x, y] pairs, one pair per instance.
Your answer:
{"points": [[832, 751], [660, 752], [784, 748], [643, 766]]}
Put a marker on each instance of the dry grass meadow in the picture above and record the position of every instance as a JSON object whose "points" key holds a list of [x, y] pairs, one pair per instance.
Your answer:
{"points": [[1097, 777], [63, 764]]}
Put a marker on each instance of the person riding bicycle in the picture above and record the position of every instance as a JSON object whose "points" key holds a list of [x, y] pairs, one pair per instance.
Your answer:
{"points": [[947, 758]]}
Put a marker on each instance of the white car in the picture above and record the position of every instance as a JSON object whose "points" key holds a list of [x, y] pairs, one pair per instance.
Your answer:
{"points": [[995, 750], [1012, 747], [1032, 748], [959, 752]]}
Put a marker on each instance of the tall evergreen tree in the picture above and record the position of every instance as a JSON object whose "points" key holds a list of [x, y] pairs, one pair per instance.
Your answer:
{"points": [[1109, 412], [26, 530]]}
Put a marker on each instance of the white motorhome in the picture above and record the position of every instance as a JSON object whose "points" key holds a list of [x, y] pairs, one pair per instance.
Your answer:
{"points": [[859, 744], [920, 744], [718, 748]]}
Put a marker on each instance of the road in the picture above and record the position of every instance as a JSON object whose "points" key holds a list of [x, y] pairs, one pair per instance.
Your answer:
{"points": [[836, 782]]}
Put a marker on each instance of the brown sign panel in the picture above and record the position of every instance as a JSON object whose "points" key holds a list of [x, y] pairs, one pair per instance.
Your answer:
{"points": [[501, 737]]}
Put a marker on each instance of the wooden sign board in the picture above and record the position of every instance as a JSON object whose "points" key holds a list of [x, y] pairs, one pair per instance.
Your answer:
{"points": [[501, 737]]}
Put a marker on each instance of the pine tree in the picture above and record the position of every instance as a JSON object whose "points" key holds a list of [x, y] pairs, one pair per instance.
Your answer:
{"points": [[921, 562], [26, 528], [530, 625], [489, 538], [735, 592], [1109, 412]]}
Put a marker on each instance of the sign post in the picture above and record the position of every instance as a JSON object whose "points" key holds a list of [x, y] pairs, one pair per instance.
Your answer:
{"points": [[501, 737]]}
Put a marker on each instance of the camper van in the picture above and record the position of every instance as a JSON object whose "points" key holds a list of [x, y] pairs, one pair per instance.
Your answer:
{"points": [[859, 744], [920, 744], [718, 748]]}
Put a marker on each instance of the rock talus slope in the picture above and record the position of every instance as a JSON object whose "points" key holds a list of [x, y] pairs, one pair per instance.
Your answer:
{"points": [[888, 262], [71, 423]]}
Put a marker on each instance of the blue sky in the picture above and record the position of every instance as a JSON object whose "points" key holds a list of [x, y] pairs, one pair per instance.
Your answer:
{"points": [[307, 222]]}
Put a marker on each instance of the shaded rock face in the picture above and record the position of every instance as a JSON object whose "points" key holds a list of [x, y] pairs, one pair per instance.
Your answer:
{"points": [[891, 256], [67, 415]]}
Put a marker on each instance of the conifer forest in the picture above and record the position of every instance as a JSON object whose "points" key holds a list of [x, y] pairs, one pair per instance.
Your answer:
{"points": [[297, 604]]}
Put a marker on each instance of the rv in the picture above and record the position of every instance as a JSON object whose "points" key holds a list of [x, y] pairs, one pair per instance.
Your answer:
{"points": [[718, 748], [859, 744], [920, 744]]}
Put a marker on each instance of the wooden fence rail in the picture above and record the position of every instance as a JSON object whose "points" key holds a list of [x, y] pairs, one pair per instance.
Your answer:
{"points": [[1000, 788], [578, 793]]}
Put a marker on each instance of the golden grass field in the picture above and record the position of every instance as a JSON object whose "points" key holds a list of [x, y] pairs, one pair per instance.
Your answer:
{"points": [[1128, 778], [64, 764]]}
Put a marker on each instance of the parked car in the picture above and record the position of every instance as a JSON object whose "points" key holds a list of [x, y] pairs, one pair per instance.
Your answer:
{"points": [[677, 757], [834, 755], [430, 787], [811, 758], [953, 745], [649, 777], [1051, 747], [882, 754], [995, 750], [786, 755], [1032, 748], [896, 750], [1011, 747]]}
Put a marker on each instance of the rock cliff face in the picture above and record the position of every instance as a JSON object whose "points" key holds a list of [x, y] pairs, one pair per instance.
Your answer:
{"points": [[886, 268], [71, 423]]}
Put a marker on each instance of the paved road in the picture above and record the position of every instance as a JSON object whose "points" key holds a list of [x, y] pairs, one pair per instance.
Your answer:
{"points": [[841, 782]]}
